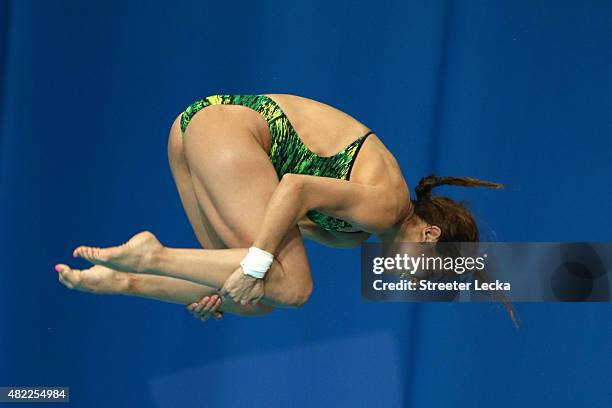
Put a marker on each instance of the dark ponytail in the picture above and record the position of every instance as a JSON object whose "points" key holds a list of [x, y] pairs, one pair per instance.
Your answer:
{"points": [[426, 184]]}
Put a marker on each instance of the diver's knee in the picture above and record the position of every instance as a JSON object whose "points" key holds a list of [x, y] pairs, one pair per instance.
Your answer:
{"points": [[304, 294], [297, 295]]}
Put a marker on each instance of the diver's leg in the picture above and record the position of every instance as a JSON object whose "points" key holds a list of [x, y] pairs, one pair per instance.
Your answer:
{"points": [[233, 180], [181, 174], [204, 232], [102, 280]]}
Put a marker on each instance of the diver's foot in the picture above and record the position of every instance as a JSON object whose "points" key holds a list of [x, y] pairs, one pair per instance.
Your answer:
{"points": [[136, 255], [97, 279]]}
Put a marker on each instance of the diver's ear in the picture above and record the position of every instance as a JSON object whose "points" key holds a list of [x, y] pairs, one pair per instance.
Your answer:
{"points": [[431, 233]]}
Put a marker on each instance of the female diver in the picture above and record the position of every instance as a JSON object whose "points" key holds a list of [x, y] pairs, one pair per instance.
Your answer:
{"points": [[251, 174]]}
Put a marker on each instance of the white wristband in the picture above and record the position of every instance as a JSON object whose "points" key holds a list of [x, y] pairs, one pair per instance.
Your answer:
{"points": [[257, 262]]}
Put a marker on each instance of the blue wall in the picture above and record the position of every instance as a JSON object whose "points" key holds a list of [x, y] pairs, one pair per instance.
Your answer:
{"points": [[513, 91]]}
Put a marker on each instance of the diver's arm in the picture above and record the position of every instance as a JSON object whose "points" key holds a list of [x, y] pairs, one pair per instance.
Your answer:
{"points": [[370, 208]]}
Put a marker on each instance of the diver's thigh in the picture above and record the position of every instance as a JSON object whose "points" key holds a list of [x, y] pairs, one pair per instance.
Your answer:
{"points": [[232, 175], [182, 177], [235, 178]]}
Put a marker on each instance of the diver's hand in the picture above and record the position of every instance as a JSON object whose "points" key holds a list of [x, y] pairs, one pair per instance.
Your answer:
{"points": [[243, 288], [207, 307]]}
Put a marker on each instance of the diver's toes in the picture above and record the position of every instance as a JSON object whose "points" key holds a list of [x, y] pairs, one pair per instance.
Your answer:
{"points": [[72, 275], [66, 276], [65, 282], [83, 252], [61, 269], [78, 252]]}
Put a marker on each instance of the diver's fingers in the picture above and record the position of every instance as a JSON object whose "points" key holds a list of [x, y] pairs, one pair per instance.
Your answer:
{"points": [[208, 305], [201, 304]]}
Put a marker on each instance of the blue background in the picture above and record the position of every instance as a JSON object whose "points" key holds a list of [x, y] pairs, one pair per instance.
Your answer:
{"points": [[513, 91]]}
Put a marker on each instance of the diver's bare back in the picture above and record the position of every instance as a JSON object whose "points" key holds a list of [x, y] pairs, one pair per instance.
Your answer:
{"points": [[326, 130]]}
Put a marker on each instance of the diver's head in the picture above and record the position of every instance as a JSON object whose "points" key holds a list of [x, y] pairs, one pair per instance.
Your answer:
{"points": [[438, 218]]}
